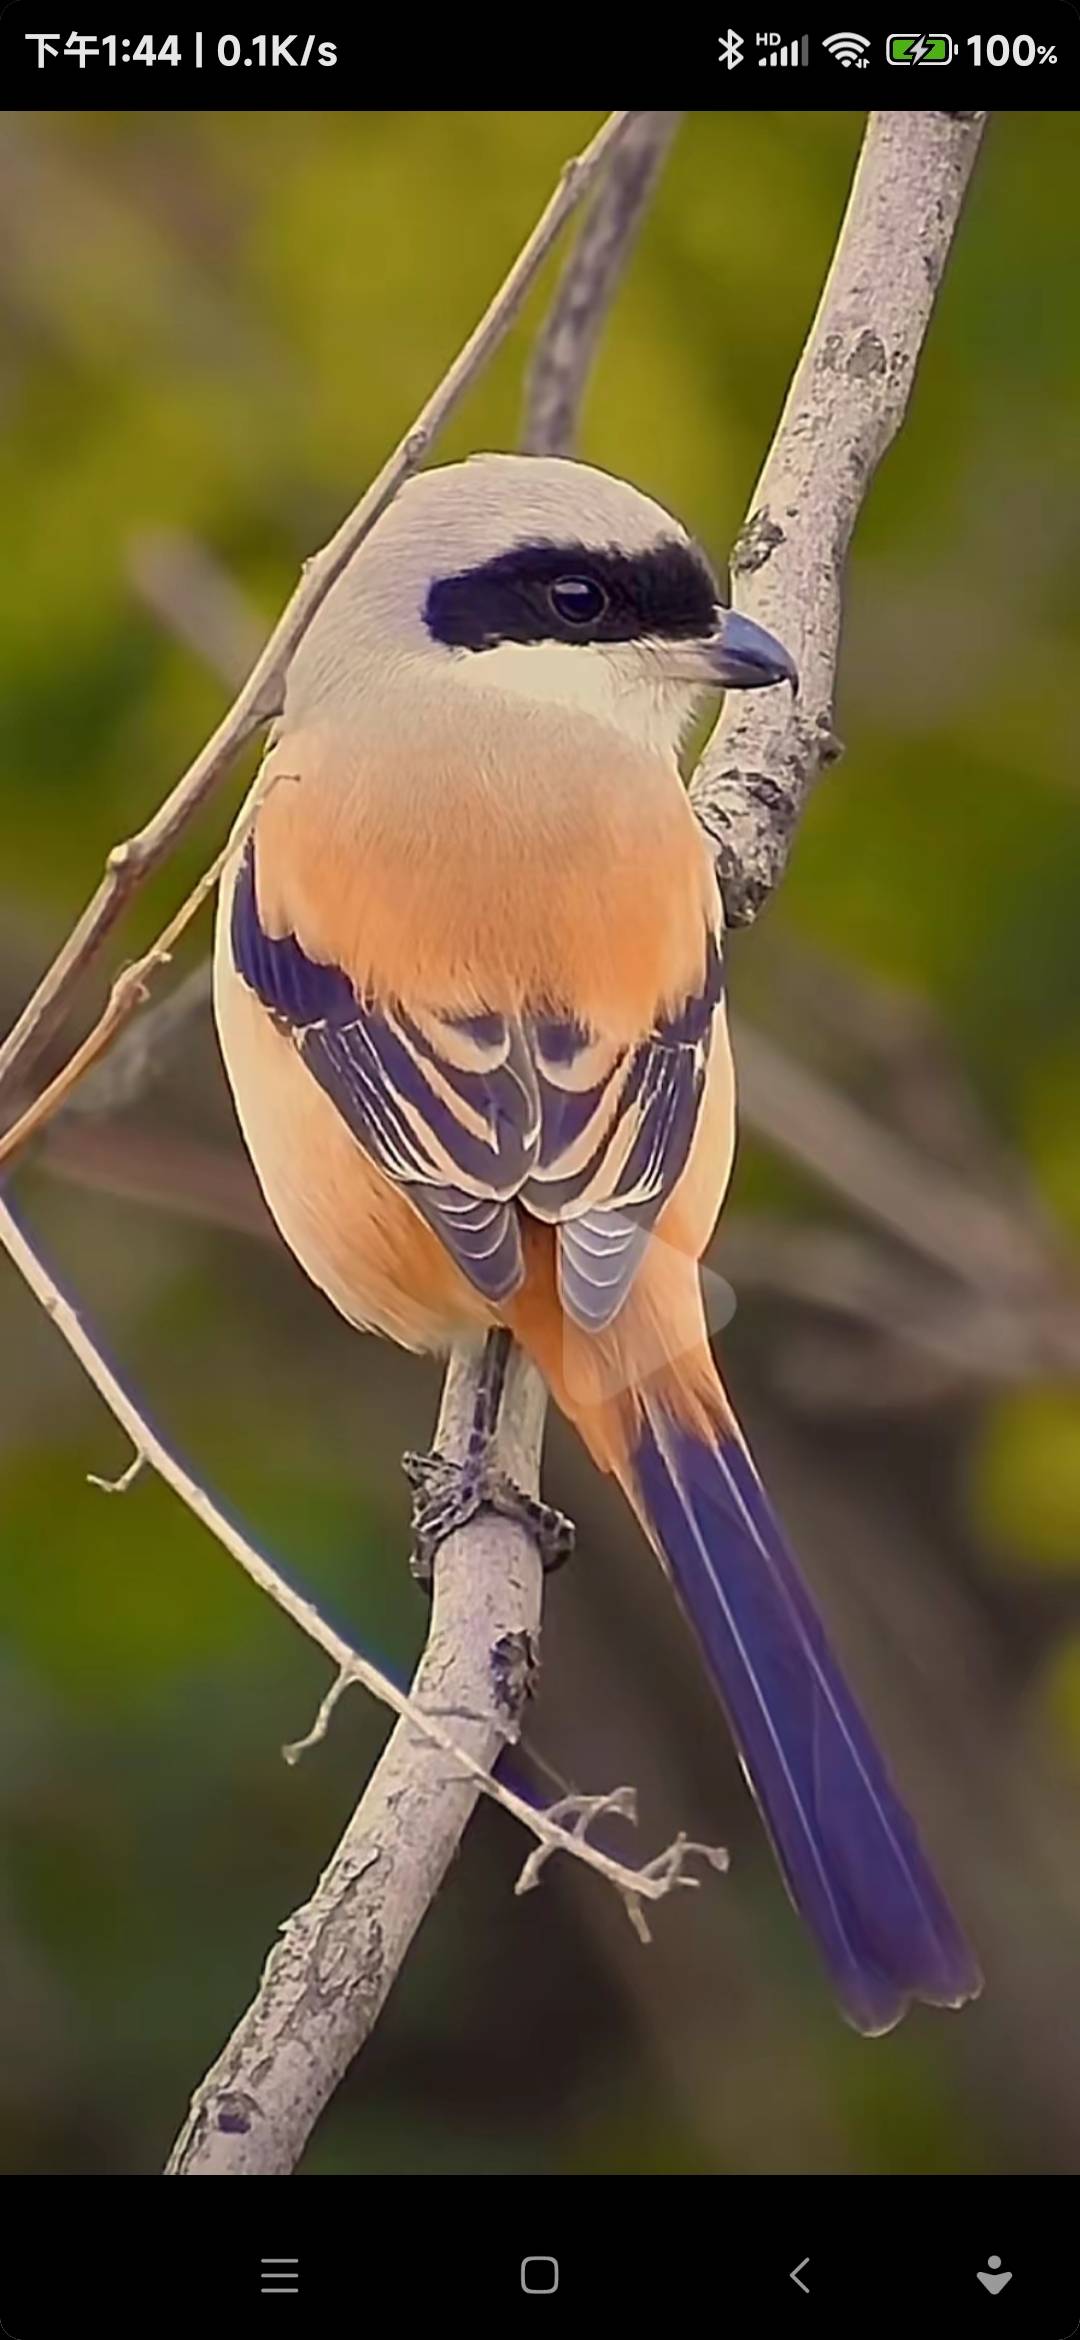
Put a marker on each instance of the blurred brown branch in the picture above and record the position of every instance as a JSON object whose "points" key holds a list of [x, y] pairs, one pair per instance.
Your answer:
{"points": [[567, 345], [194, 598], [164, 1169], [136, 1058]]}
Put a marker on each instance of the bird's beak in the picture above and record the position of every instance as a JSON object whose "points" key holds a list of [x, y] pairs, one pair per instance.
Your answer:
{"points": [[738, 656]]}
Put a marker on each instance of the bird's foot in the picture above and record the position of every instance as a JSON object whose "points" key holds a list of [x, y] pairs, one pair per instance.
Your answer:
{"points": [[447, 1495]]}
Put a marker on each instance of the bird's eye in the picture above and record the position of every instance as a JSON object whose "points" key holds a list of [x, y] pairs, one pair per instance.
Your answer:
{"points": [[578, 601]]}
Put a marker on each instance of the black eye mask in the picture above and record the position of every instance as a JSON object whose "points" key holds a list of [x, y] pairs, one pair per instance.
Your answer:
{"points": [[546, 592]]}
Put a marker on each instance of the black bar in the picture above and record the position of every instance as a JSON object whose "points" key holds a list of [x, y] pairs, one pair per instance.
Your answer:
{"points": [[735, 61], [718, 2255]]}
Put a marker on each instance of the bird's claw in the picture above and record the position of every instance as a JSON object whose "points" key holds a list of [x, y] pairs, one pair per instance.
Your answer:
{"points": [[447, 1495]]}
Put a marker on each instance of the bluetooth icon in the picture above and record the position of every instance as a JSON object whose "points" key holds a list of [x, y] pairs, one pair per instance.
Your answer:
{"points": [[732, 45]]}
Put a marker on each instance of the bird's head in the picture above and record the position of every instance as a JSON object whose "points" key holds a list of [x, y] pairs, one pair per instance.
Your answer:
{"points": [[546, 581]]}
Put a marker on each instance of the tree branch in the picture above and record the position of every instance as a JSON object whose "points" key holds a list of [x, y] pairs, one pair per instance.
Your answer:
{"points": [[327, 1979], [260, 698], [845, 406], [566, 348]]}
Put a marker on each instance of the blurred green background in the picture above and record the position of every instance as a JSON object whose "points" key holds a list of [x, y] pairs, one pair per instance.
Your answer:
{"points": [[212, 328]]}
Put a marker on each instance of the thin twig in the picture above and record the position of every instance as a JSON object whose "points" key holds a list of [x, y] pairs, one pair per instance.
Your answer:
{"points": [[257, 703], [150, 1450], [194, 597], [567, 345], [845, 406], [130, 989]]}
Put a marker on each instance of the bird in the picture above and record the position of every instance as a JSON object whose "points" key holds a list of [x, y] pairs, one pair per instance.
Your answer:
{"points": [[470, 991]]}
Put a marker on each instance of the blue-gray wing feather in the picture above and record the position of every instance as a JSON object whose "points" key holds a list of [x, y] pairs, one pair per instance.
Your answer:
{"points": [[477, 1117], [457, 1127]]}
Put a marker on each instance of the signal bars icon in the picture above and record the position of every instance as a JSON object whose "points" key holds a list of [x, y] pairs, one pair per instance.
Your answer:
{"points": [[779, 52]]}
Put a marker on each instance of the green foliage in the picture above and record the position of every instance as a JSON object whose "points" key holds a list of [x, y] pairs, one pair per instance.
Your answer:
{"points": [[1027, 1484]]}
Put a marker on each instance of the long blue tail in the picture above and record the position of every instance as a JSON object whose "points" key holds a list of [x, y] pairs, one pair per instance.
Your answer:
{"points": [[848, 1850]]}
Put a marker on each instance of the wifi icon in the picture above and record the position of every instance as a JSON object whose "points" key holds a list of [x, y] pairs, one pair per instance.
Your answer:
{"points": [[847, 48]]}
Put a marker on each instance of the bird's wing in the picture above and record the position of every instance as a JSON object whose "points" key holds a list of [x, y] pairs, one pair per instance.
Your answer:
{"points": [[447, 1107], [470, 1114], [617, 1125]]}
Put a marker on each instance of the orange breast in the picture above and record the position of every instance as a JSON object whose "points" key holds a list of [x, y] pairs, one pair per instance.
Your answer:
{"points": [[557, 875]]}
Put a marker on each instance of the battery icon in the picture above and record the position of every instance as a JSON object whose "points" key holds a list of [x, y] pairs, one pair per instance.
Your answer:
{"points": [[920, 49]]}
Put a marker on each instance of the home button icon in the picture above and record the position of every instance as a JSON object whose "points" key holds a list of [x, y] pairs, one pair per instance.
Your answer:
{"points": [[540, 2275]]}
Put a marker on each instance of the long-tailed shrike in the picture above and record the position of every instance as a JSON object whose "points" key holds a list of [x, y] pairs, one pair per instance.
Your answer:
{"points": [[470, 993]]}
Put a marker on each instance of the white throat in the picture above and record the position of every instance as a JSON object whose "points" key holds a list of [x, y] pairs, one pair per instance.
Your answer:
{"points": [[621, 685]]}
